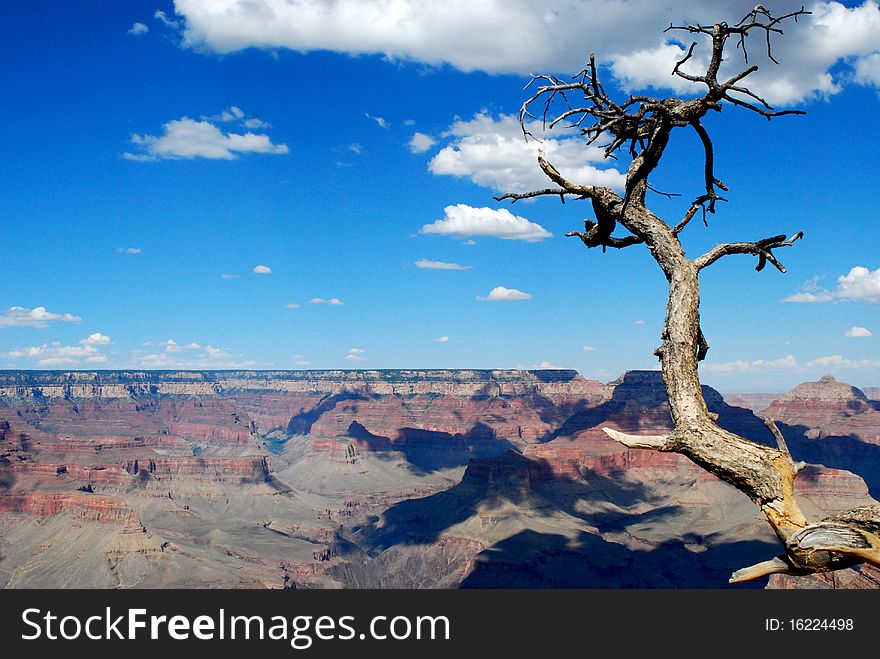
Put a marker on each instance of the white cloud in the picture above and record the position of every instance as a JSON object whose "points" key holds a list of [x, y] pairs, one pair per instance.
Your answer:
{"points": [[190, 356], [256, 124], [589, 349], [490, 35], [758, 364], [226, 275], [57, 354], [494, 153], [36, 317], [421, 142], [162, 17], [859, 284], [137, 29], [189, 138], [291, 305], [96, 339], [441, 339], [355, 355], [501, 293], [807, 297], [441, 265], [651, 67], [546, 364], [128, 250], [380, 121], [639, 322], [333, 301], [172, 346], [868, 70], [462, 220], [262, 270], [356, 149], [838, 361], [857, 332]]}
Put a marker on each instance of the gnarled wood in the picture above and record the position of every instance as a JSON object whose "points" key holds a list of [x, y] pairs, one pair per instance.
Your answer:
{"points": [[644, 125]]}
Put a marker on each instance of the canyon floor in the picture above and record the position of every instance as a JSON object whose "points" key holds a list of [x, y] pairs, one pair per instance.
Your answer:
{"points": [[396, 479]]}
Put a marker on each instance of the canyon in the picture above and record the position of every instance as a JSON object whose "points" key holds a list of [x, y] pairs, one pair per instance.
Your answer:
{"points": [[397, 479]]}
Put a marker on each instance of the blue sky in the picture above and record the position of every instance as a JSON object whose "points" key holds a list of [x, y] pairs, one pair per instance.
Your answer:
{"points": [[156, 154]]}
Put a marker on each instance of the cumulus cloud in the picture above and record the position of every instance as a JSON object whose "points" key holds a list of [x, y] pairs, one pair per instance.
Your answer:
{"points": [[173, 346], [57, 354], [868, 70], [441, 339], [502, 293], [262, 270], [759, 364], [441, 265], [421, 142], [639, 322], [333, 301], [96, 339], [226, 275], [859, 283], [839, 361], [488, 36], [190, 138], [807, 297], [462, 221], [190, 356], [137, 29], [589, 348], [492, 152], [857, 332], [652, 67], [128, 250], [291, 305], [36, 317], [355, 355]]}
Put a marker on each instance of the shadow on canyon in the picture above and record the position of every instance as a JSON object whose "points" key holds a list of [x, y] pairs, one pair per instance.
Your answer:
{"points": [[499, 491], [837, 452], [544, 560]]}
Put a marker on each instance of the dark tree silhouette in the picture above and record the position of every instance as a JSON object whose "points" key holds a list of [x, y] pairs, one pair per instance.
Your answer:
{"points": [[642, 125]]}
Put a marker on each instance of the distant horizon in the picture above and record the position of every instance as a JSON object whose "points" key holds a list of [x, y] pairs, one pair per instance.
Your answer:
{"points": [[99, 371]]}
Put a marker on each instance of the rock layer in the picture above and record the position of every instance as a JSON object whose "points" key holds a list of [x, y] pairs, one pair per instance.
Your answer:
{"points": [[387, 479]]}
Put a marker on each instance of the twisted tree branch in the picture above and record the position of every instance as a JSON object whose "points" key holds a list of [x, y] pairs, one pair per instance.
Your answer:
{"points": [[763, 249], [644, 125]]}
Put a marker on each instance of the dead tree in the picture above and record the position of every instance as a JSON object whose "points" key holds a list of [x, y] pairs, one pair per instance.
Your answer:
{"points": [[642, 125]]}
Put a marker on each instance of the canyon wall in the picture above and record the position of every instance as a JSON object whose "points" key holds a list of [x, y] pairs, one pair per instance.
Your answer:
{"points": [[443, 478]]}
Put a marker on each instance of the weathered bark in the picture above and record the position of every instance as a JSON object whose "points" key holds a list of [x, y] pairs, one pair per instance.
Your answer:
{"points": [[766, 475]]}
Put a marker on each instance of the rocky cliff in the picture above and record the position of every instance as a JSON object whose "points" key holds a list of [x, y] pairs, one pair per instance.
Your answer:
{"points": [[20, 385], [828, 408], [385, 479]]}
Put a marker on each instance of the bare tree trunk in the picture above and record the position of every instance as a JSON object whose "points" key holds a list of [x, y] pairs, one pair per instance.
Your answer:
{"points": [[766, 475]]}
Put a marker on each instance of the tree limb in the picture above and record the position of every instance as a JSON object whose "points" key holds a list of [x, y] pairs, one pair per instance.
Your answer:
{"points": [[763, 249], [655, 442], [556, 192]]}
